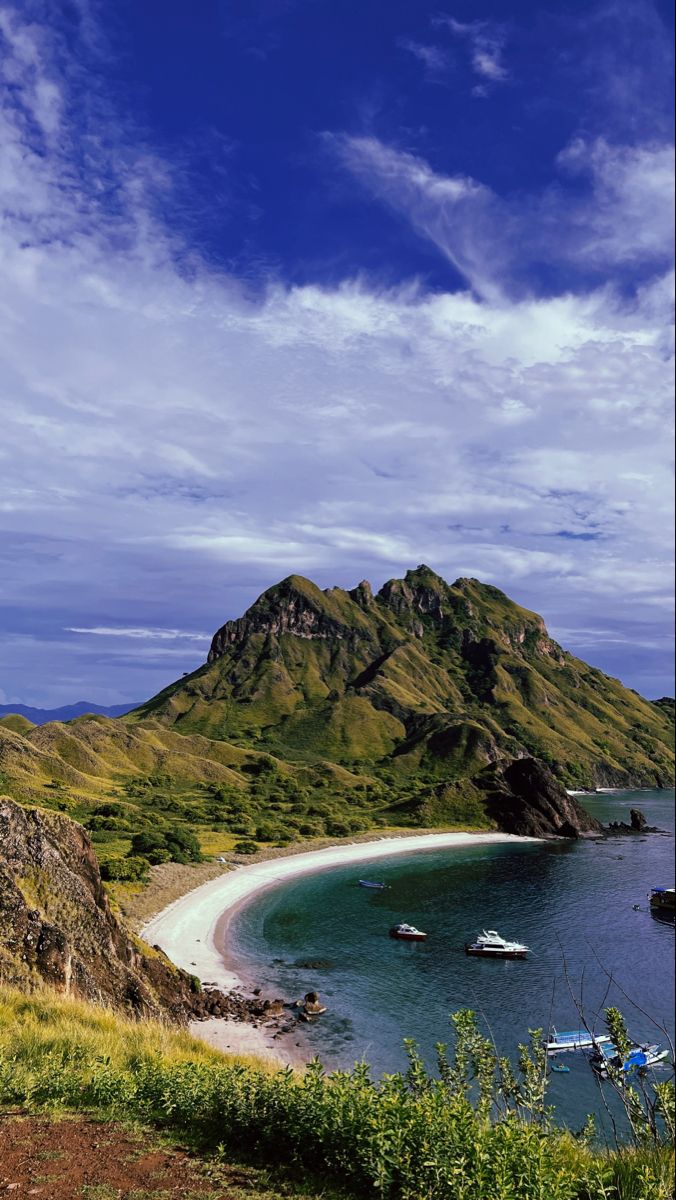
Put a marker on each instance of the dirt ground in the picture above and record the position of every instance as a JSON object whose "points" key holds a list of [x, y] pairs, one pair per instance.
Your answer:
{"points": [[85, 1159]]}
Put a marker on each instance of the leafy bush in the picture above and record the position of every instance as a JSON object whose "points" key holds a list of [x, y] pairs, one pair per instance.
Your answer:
{"points": [[125, 870], [158, 846], [150, 845], [478, 1130], [246, 847]]}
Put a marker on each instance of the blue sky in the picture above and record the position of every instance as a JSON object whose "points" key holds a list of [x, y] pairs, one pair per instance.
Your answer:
{"points": [[290, 285]]}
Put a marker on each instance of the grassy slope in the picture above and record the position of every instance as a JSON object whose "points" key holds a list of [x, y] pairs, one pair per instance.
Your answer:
{"points": [[408, 1140], [326, 713], [403, 659], [44, 1035]]}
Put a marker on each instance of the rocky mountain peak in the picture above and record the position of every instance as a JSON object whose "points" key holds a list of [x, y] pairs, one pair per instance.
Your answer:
{"points": [[296, 606], [420, 592], [362, 594]]}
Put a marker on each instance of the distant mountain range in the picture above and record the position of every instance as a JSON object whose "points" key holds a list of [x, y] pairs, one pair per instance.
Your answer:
{"points": [[67, 712]]}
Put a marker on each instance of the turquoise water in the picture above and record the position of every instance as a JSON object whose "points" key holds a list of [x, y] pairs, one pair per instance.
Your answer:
{"points": [[567, 901]]}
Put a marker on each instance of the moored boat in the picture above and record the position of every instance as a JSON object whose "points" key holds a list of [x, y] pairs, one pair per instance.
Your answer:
{"points": [[371, 883], [407, 933], [574, 1039], [637, 1058], [663, 903], [490, 944]]}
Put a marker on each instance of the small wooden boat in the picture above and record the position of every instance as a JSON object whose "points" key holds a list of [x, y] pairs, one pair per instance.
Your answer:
{"points": [[489, 944], [371, 883], [407, 933]]}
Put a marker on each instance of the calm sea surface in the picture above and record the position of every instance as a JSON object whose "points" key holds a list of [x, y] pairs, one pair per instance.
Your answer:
{"points": [[567, 901]]}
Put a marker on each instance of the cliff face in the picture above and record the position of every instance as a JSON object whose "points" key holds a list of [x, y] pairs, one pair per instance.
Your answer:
{"points": [[56, 925], [392, 678], [526, 799]]}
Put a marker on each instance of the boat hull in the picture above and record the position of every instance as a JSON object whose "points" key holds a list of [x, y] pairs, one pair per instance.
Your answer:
{"points": [[479, 952], [408, 937]]}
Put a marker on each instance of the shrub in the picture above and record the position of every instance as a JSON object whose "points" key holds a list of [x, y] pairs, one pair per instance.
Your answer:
{"points": [[125, 870], [150, 845], [477, 1130], [183, 846], [338, 828], [159, 846], [245, 847]]}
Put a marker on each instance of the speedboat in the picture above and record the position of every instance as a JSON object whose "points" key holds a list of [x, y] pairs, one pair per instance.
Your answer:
{"points": [[407, 933], [370, 883], [575, 1039], [489, 944], [638, 1058]]}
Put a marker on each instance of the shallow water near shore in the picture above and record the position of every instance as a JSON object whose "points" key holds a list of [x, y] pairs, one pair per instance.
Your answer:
{"points": [[568, 901]]}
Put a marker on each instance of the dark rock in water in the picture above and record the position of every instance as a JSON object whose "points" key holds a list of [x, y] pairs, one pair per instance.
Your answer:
{"points": [[313, 964], [526, 798], [638, 824], [310, 1006]]}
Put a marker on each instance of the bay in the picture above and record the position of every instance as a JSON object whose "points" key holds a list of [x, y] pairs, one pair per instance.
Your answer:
{"points": [[571, 902]]}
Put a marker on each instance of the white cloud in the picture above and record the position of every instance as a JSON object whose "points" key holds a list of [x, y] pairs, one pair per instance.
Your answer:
{"points": [[152, 635], [485, 42], [495, 243], [631, 219], [433, 58], [456, 213], [171, 446]]}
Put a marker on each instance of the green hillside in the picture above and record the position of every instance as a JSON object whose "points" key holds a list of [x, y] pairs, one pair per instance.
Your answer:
{"points": [[423, 676], [326, 713]]}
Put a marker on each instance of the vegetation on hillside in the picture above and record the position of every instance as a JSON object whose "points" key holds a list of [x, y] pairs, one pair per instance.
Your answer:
{"points": [[475, 1131], [425, 676], [323, 714]]}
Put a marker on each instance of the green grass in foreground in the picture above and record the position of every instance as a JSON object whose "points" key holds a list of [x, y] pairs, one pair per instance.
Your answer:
{"points": [[474, 1133]]}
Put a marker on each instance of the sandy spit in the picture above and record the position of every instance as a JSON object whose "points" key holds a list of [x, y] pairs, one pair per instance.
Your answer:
{"points": [[192, 931]]}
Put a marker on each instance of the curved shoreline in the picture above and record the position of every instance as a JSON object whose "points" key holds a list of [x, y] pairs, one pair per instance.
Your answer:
{"points": [[191, 930]]}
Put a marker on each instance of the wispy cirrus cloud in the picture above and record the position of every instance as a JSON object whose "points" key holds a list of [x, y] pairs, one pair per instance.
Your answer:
{"points": [[485, 42], [136, 633], [433, 58], [172, 445], [622, 217]]}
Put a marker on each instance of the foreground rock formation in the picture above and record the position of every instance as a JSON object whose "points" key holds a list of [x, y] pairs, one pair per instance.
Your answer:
{"points": [[57, 927]]}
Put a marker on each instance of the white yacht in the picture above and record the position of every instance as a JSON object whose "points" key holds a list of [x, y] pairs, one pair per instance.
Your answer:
{"points": [[490, 944]]}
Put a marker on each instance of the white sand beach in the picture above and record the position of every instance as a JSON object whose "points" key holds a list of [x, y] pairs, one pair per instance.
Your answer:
{"points": [[193, 930]]}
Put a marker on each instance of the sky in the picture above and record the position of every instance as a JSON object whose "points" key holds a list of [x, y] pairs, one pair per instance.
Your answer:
{"points": [[333, 289]]}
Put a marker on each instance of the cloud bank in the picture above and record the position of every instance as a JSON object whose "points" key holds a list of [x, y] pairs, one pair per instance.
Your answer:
{"points": [[172, 445]]}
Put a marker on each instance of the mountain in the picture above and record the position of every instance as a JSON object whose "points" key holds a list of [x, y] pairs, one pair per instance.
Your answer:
{"points": [[326, 713], [426, 677], [67, 712]]}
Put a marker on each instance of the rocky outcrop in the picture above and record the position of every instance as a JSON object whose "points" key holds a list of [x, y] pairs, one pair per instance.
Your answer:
{"points": [[292, 607], [638, 824], [57, 927], [525, 798]]}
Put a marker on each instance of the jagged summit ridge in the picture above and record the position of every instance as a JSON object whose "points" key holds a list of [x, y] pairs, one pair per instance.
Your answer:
{"points": [[298, 607], [424, 676]]}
